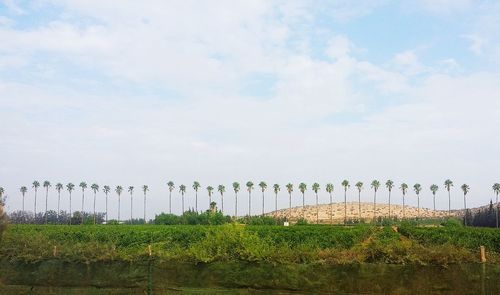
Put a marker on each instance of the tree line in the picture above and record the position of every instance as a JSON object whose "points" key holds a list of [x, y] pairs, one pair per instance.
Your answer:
{"points": [[236, 187]]}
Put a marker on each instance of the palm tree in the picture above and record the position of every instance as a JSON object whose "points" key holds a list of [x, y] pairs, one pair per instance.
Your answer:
{"points": [[83, 185], [465, 188], [249, 189], [70, 187], [448, 184], [404, 189], [46, 185], [315, 188], [263, 187], [434, 188], [36, 185], [119, 191], [302, 189], [389, 184], [418, 188], [95, 189], [106, 189], [276, 188], [375, 185], [59, 187], [131, 191], [196, 186], [289, 189], [23, 191], [182, 190], [145, 190], [210, 191], [346, 185], [359, 186], [171, 187], [222, 190], [236, 188], [496, 190], [329, 190]]}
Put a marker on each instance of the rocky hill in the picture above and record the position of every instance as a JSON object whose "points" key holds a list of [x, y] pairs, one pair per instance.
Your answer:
{"points": [[323, 212]]}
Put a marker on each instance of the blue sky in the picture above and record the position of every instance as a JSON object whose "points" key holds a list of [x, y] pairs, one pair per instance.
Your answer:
{"points": [[136, 93]]}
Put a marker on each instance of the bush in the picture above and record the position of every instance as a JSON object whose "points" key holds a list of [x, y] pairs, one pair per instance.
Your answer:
{"points": [[302, 221], [193, 218], [261, 220]]}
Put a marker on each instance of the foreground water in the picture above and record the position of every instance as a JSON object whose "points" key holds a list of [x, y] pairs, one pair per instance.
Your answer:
{"points": [[55, 277]]}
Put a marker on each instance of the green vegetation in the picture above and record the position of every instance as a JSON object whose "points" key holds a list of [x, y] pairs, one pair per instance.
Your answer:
{"points": [[250, 243]]}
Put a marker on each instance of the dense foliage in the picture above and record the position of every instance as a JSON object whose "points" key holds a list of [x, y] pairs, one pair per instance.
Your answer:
{"points": [[236, 242], [469, 238], [25, 217], [192, 217]]}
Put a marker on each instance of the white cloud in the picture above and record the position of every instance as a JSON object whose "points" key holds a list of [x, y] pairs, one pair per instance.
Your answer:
{"points": [[339, 47], [446, 6], [408, 63], [476, 44]]}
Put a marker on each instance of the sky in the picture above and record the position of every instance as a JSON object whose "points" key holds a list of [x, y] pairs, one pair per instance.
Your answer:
{"points": [[142, 92]]}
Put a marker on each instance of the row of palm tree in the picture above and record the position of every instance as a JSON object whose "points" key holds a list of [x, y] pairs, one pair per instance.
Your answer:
{"points": [[70, 187], [329, 187]]}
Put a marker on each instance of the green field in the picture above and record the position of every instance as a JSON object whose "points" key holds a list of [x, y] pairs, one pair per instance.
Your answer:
{"points": [[238, 243]]}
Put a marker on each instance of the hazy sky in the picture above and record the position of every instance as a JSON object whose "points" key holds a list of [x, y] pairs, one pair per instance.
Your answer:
{"points": [[142, 92]]}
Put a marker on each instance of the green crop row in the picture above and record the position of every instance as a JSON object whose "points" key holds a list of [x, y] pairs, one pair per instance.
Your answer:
{"points": [[276, 244], [467, 237]]}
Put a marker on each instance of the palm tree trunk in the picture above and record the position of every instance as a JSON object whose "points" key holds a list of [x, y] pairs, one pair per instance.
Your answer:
{"points": [[95, 193], [465, 212], [331, 209], [131, 208], [403, 206], [434, 204], [345, 206], [389, 204], [196, 201], [119, 205], [83, 201], [35, 206], [249, 204], [497, 211], [359, 205], [418, 206], [46, 201], [58, 204], [23, 202], [449, 203], [275, 204], [182, 203], [317, 209], [290, 205], [303, 206], [144, 207], [222, 202], [170, 202], [70, 211], [236, 205], [106, 208], [262, 203], [374, 205]]}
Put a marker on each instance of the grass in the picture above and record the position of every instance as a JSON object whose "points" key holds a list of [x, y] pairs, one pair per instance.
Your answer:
{"points": [[274, 244]]}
